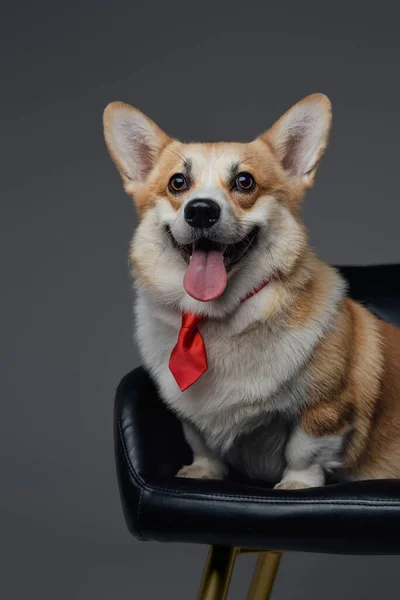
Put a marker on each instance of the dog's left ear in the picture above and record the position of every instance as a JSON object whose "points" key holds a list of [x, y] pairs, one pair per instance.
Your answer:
{"points": [[301, 136]]}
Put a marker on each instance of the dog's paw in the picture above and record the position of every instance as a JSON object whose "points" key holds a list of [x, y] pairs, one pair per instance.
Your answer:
{"points": [[198, 471], [291, 485]]}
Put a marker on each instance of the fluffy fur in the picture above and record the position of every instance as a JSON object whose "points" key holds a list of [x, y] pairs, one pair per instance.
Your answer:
{"points": [[301, 380]]}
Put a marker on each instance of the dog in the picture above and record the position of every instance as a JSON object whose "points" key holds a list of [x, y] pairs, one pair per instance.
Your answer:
{"points": [[285, 379]]}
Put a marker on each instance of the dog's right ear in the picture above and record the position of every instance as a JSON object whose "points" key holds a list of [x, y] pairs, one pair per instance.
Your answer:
{"points": [[133, 140]]}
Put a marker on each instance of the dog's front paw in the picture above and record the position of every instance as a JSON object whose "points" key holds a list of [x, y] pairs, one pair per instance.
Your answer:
{"points": [[291, 485], [197, 471]]}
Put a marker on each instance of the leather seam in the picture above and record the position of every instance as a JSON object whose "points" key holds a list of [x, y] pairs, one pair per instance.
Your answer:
{"points": [[134, 474], [138, 512], [261, 499]]}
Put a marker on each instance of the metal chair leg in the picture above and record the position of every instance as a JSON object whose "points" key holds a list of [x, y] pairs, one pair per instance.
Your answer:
{"points": [[217, 573], [264, 576]]}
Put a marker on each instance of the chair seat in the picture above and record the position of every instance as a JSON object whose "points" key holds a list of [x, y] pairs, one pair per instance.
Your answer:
{"points": [[347, 518]]}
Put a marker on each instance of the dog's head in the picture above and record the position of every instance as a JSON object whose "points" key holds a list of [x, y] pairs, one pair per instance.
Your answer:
{"points": [[216, 219]]}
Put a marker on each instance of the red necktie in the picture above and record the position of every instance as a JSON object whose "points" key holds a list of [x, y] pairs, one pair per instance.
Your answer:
{"points": [[188, 360]]}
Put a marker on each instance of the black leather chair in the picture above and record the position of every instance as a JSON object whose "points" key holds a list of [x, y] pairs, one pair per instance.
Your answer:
{"points": [[235, 515]]}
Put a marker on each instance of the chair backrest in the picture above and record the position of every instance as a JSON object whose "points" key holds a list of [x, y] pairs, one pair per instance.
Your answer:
{"points": [[377, 288]]}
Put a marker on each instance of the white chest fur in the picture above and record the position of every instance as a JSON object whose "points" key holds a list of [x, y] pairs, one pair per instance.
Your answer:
{"points": [[250, 364]]}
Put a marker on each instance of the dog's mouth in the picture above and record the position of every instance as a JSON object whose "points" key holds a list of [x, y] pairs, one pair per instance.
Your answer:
{"points": [[232, 253], [209, 262]]}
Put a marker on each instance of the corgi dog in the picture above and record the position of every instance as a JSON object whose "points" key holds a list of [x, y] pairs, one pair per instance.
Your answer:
{"points": [[296, 381]]}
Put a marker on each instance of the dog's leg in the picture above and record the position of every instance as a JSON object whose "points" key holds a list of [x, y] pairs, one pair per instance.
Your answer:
{"points": [[307, 459], [204, 466], [296, 479]]}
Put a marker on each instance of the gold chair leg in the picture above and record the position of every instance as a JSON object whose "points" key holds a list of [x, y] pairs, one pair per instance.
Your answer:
{"points": [[217, 573], [264, 575]]}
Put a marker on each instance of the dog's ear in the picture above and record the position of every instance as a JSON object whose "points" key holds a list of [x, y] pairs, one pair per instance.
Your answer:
{"points": [[300, 137], [133, 140]]}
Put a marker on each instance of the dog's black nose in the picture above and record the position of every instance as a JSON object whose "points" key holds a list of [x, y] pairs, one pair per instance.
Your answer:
{"points": [[202, 213]]}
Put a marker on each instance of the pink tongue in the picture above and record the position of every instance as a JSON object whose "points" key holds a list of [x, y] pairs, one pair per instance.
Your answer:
{"points": [[205, 278]]}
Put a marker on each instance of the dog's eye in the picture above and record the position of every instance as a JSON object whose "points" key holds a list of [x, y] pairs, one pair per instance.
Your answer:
{"points": [[177, 183], [245, 182]]}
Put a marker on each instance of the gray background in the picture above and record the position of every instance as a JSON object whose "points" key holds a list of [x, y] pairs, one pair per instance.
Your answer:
{"points": [[207, 72]]}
